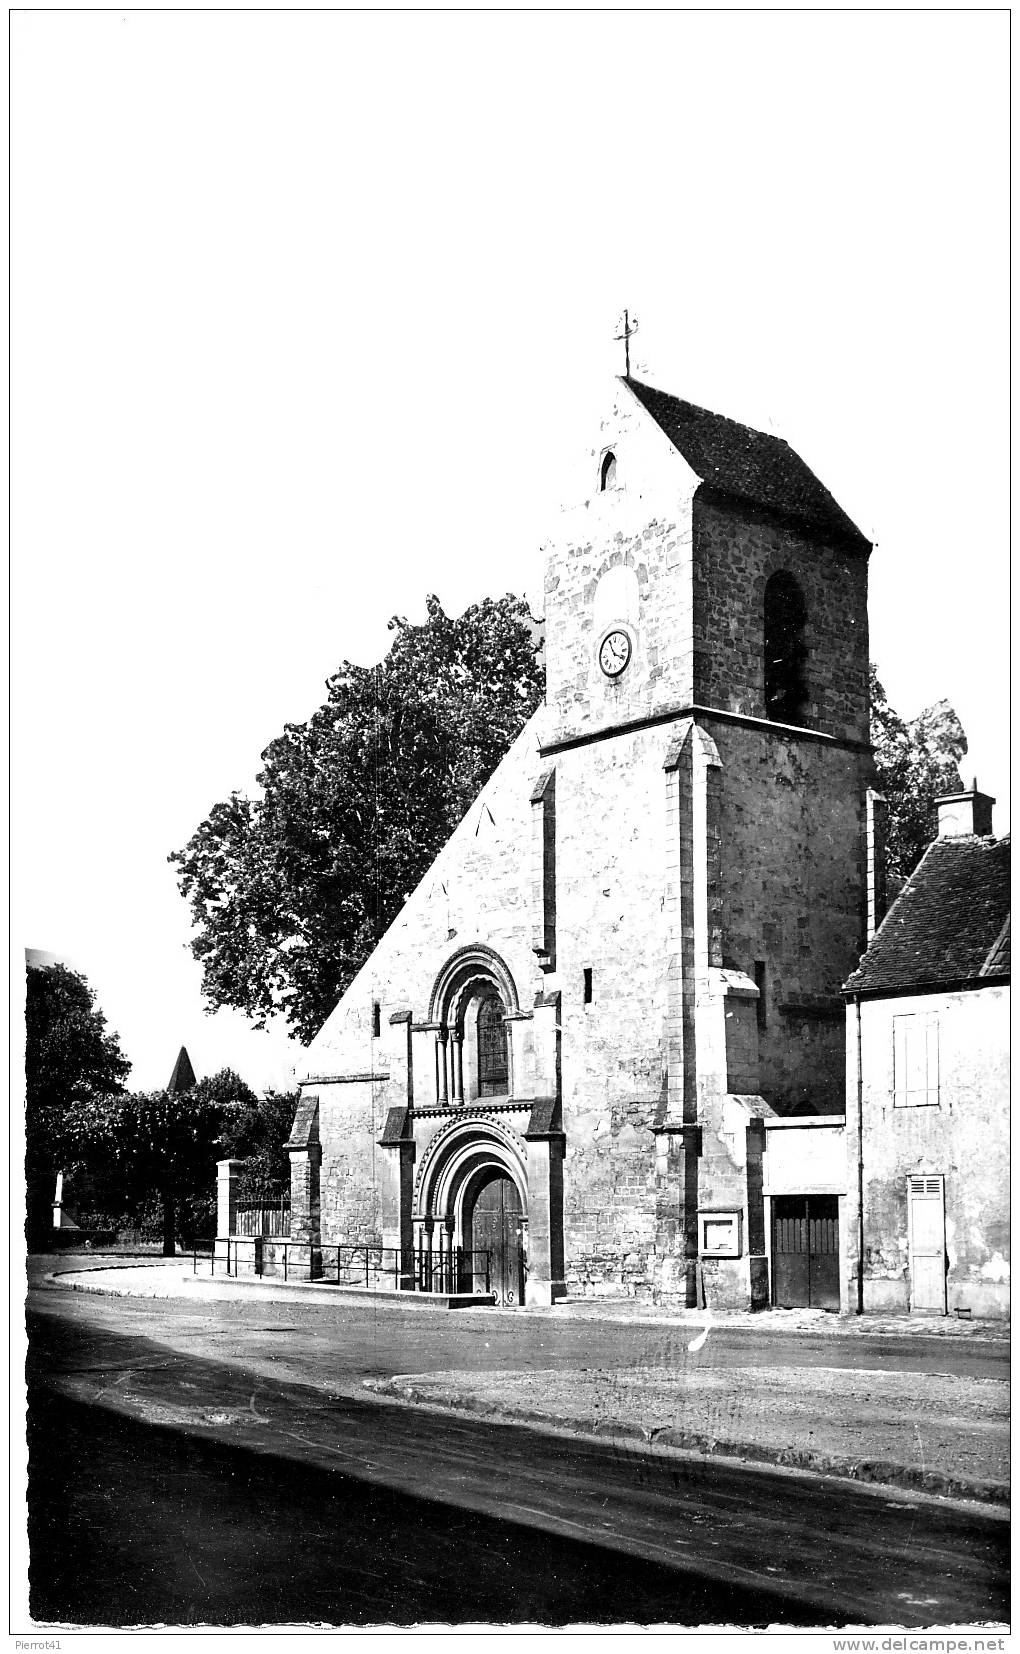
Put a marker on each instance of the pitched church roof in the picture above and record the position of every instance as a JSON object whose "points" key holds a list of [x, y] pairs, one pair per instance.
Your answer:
{"points": [[747, 464], [950, 923], [183, 1076]]}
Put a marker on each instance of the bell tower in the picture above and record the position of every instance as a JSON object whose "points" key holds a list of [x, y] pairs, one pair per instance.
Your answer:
{"points": [[708, 576], [705, 567], [618, 594]]}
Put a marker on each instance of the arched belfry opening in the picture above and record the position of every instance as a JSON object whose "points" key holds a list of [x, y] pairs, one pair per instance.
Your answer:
{"points": [[785, 650], [607, 471]]}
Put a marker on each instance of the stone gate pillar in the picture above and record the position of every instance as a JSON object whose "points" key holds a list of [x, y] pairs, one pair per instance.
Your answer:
{"points": [[227, 1175]]}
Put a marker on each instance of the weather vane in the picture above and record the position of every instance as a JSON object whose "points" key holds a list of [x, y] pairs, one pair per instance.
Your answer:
{"points": [[628, 329]]}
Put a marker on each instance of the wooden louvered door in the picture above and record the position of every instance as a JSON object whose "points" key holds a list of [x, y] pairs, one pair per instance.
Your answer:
{"points": [[805, 1252], [926, 1222]]}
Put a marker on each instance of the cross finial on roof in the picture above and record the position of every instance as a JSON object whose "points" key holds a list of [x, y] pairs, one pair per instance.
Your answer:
{"points": [[628, 328]]}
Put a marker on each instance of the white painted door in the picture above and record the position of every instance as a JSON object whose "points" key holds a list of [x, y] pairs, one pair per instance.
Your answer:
{"points": [[927, 1223]]}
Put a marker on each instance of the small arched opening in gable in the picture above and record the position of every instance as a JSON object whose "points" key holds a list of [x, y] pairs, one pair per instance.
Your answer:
{"points": [[785, 650], [607, 471]]}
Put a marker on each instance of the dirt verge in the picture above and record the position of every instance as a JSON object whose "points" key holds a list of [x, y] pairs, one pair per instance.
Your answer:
{"points": [[935, 1434]]}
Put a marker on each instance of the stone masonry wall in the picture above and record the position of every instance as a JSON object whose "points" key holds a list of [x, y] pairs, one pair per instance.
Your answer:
{"points": [[611, 823], [793, 846], [581, 698], [351, 1119], [735, 553], [642, 523]]}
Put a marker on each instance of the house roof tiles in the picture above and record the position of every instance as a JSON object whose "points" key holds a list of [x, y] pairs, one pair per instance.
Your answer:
{"points": [[997, 963], [950, 923]]}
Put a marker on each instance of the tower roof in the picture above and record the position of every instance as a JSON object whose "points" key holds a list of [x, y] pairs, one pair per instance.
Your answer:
{"points": [[183, 1076], [747, 464]]}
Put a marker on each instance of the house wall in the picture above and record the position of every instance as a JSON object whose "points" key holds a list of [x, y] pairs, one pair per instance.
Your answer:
{"points": [[964, 1139]]}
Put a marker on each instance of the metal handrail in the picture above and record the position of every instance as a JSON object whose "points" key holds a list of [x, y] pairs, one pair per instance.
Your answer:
{"points": [[447, 1270]]}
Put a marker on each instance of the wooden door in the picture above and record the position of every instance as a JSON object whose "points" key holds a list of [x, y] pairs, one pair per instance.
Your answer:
{"points": [[497, 1226], [926, 1221], [805, 1251]]}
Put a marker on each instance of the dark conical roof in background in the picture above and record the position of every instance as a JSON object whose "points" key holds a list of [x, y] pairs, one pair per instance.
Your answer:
{"points": [[746, 464], [183, 1076]]}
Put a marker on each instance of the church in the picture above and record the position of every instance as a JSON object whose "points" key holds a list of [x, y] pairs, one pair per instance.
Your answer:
{"points": [[602, 1046]]}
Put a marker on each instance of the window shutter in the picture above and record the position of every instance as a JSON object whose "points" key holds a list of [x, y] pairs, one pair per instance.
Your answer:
{"points": [[931, 1037], [916, 1060], [900, 1060]]}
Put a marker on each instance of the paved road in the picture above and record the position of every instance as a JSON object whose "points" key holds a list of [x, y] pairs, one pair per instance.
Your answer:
{"points": [[372, 1340], [192, 1464]]}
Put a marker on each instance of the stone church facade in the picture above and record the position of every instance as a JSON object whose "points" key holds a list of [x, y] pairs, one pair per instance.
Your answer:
{"points": [[624, 968]]}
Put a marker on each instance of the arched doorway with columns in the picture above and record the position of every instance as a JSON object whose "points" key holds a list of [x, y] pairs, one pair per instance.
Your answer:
{"points": [[470, 1212], [484, 1136]]}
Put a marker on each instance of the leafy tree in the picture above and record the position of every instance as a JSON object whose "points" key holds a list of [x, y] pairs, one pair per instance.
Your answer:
{"points": [[69, 1057], [149, 1143], [256, 1132], [915, 761], [291, 890]]}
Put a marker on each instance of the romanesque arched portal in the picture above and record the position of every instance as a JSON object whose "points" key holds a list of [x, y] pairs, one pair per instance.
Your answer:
{"points": [[471, 1206]]}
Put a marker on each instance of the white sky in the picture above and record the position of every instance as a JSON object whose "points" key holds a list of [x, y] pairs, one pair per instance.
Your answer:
{"points": [[310, 315]]}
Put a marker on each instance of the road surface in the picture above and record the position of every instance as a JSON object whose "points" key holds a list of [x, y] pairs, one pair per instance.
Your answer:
{"points": [[215, 1463]]}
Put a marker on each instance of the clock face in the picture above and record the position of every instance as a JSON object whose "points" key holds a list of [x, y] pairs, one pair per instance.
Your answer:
{"points": [[614, 652]]}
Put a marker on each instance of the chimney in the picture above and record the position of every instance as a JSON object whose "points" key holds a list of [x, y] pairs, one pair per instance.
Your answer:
{"points": [[963, 813]]}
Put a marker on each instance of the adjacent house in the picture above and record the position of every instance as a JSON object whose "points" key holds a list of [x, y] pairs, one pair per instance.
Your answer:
{"points": [[928, 1081]]}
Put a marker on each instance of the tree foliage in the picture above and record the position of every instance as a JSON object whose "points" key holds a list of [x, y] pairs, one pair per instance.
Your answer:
{"points": [[130, 1155], [145, 1144], [69, 1057], [68, 1051], [255, 1133], [290, 891], [915, 761]]}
